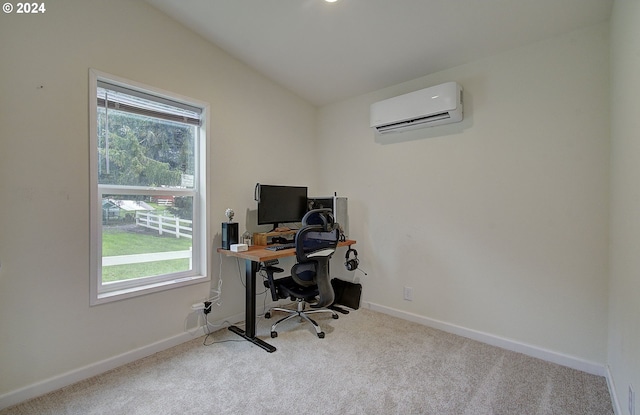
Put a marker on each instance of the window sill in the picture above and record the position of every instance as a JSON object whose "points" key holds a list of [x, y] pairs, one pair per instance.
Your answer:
{"points": [[111, 296]]}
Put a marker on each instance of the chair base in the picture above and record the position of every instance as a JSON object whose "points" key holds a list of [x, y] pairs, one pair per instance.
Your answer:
{"points": [[300, 312]]}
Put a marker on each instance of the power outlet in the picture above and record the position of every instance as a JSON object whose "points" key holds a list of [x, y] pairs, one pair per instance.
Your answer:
{"points": [[408, 293], [632, 401]]}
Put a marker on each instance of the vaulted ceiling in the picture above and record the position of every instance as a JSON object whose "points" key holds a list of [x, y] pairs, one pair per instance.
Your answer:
{"points": [[327, 52]]}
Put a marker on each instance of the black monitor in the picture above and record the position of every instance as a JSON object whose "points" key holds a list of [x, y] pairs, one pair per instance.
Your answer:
{"points": [[280, 204]]}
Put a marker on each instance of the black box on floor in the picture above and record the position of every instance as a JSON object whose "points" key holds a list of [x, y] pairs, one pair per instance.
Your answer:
{"points": [[347, 293]]}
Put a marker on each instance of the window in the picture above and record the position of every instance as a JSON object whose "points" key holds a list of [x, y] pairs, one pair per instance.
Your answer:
{"points": [[148, 189]]}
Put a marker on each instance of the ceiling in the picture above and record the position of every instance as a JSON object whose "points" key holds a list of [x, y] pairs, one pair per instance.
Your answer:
{"points": [[327, 52]]}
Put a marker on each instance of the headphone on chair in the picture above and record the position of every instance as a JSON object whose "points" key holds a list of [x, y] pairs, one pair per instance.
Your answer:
{"points": [[351, 263]]}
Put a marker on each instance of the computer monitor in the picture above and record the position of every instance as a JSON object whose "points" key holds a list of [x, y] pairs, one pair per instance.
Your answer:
{"points": [[280, 204]]}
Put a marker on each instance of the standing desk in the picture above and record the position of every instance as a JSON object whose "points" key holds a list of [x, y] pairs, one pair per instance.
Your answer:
{"points": [[253, 257]]}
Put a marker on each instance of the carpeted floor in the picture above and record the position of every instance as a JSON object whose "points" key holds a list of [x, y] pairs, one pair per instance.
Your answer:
{"points": [[369, 363]]}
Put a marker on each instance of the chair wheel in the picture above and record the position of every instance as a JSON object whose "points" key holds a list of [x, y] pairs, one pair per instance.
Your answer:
{"points": [[321, 335], [335, 316], [275, 334], [267, 315]]}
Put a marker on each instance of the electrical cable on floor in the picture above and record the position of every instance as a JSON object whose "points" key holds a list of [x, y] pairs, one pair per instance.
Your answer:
{"points": [[209, 332], [216, 299]]}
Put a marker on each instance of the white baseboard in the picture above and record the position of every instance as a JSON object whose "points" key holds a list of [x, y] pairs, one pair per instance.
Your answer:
{"points": [[508, 344], [93, 369], [612, 391]]}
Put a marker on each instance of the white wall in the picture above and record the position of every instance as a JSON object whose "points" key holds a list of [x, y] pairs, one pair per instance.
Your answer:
{"points": [[624, 301], [499, 223], [258, 131]]}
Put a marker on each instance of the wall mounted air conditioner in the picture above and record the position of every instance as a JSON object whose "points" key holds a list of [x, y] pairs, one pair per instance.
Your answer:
{"points": [[436, 105]]}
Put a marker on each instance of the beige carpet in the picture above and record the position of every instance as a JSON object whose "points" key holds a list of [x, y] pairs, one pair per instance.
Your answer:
{"points": [[369, 363]]}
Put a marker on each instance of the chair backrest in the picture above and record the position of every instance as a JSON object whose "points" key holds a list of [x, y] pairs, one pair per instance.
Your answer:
{"points": [[322, 217], [315, 243]]}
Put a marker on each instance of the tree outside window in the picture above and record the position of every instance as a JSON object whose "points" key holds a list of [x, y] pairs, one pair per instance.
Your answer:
{"points": [[148, 190]]}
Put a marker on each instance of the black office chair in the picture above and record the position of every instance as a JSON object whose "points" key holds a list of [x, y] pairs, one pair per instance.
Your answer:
{"points": [[310, 282]]}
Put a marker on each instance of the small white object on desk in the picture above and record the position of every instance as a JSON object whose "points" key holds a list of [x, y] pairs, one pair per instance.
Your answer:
{"points": [[239, 247]]}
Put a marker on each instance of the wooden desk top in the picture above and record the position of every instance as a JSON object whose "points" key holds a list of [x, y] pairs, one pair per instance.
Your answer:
{"points": [[258, 253]]}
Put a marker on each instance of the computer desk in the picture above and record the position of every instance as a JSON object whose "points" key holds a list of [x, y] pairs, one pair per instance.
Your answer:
{"points": [[253, 257]]}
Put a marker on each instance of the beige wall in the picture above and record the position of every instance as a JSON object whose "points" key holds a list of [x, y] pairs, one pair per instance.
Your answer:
{"points": [[499, 223], [258, 132], [624, 301]]}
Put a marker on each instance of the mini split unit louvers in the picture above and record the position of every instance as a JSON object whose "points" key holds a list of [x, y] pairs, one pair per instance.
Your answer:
{"points": [[436, 105]]}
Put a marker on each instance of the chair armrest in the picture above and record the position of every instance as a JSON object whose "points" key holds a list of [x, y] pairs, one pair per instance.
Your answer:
{"points": [[270, 270]]}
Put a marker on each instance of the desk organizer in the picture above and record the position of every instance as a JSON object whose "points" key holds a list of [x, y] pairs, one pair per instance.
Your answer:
{"points": [[264, 238]]}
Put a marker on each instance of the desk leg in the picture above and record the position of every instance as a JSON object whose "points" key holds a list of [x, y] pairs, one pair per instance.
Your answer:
{"points": [[250, 309]]}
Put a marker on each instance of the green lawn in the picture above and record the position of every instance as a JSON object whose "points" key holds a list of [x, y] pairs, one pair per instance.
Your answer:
{"points": [[119, 242], [143, 269], [116, 241]]}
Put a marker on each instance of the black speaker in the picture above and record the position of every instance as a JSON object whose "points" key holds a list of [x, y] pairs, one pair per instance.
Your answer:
{"points": [[229, 234]]}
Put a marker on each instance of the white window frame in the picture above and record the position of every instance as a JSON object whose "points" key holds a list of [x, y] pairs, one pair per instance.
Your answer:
{"points": [[104, 293]]}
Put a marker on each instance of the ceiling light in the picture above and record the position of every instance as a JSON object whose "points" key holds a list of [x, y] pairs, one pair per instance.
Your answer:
{"points": [[330, 1]]}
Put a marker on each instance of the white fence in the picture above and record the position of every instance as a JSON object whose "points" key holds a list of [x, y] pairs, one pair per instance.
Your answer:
{"points": [[165, 224]]}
